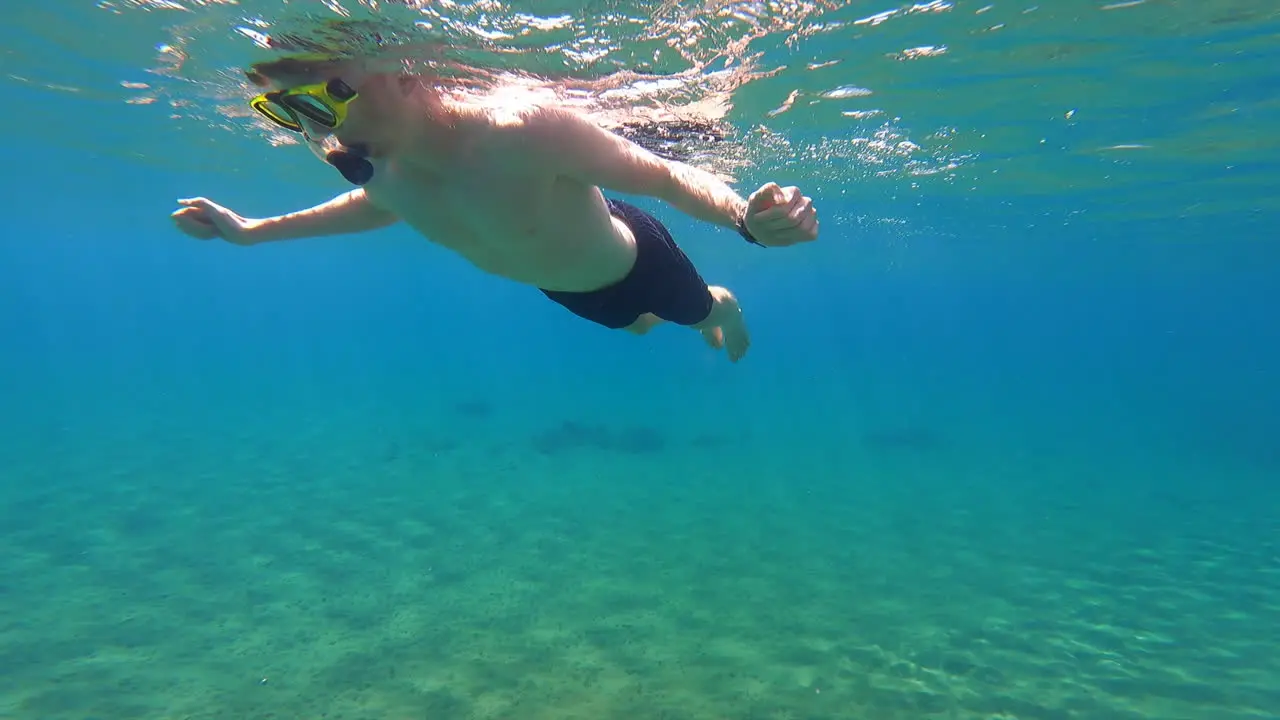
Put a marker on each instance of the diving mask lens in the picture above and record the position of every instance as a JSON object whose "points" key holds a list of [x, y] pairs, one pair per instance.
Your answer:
{"points": [[273, 109], [314, 109]]}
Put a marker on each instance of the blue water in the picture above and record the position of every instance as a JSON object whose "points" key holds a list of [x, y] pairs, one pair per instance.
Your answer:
{"points": [[1016, 456]]}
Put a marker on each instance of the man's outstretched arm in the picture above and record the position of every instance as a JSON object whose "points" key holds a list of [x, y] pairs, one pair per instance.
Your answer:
{"points": [[580, 148], [351, 212]]}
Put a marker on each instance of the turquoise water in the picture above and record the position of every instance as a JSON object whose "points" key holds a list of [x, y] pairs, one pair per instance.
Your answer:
{"points": [[1005, 446]]}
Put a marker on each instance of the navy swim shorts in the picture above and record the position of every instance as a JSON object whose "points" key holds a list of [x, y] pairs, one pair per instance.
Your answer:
{"points": [[663, 280]]}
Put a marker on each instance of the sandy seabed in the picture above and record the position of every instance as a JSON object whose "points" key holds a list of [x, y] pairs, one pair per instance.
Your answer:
{"points": [[590, 572]]}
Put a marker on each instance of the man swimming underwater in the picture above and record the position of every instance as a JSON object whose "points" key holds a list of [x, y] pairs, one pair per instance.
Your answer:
{"points": [[514, 190]]}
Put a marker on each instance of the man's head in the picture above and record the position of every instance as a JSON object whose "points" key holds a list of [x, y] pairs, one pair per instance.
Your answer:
{"points": [[375, 116]]}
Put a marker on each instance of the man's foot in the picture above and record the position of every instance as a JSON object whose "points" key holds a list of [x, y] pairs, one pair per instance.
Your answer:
{"points": [[714, 337], [725, 327], [736, 337]]}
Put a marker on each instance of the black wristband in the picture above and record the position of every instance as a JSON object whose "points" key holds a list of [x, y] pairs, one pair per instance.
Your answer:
{"points": [[741, 226]]}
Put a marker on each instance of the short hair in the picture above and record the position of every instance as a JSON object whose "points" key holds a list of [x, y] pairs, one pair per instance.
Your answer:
{"points": [[294, 70]]}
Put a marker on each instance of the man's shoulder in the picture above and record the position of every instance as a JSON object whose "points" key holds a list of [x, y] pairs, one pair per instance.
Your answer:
{"points": [[527, 130], [528, 120]]}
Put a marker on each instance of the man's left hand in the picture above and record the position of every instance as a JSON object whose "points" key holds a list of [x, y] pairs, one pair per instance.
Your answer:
{"points": [[778, 216]]}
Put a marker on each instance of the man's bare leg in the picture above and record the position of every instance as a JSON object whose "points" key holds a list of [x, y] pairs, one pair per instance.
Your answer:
{"points": [[724, 327], [649, 321], [644, 324]]}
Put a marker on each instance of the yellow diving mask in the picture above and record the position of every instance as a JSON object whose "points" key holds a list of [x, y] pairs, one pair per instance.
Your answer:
{"points": [[316, 111], [324, 104]]}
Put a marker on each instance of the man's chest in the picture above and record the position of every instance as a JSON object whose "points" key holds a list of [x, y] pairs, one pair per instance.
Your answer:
{"points": [[480, 204]]}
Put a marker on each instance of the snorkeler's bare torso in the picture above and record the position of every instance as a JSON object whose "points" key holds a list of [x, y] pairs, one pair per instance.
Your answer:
{"points": [[484, 199]]}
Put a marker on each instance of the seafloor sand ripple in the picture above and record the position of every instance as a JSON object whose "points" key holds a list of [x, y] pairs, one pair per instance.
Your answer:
{"points": [[482, 582]]}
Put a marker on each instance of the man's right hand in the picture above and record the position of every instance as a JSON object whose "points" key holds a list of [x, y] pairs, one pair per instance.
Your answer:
{"points": [[205, 219]]}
